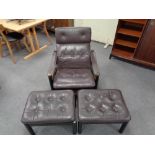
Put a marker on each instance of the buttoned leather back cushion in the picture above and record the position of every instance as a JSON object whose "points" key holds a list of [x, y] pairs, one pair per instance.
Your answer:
{"points": [[73, 47]]}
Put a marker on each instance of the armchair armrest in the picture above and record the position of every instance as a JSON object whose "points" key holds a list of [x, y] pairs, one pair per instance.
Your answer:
{"points": [[95, 68], [52, 67]]}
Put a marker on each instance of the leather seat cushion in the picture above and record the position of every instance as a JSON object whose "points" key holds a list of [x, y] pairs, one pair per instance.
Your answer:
{"points": [[102, 106], [73, 78], [49, 107]]}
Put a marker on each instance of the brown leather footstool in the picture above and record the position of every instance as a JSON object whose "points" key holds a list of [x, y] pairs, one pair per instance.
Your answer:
{"points": [[102, 106], [49, 108]]}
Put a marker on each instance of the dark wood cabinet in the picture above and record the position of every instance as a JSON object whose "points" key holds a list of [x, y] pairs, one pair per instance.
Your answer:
{"points": [[146, 48], [53, 23], [63, 22], [135, 41]]}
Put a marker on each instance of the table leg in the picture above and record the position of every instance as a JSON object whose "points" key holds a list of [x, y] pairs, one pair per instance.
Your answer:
{"points": [[46, 32], [26, 45], [38, 49], [35, 52], [29, 37], [35, 37], [11, 52]]}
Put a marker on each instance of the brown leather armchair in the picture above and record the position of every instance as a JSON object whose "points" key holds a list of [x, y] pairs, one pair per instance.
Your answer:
{"points": [[73, 63]]}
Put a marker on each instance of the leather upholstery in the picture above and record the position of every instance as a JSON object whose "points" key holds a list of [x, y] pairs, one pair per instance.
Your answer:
{"points": [[73, 56], [102, 106], [73, 47], [49, 107], [73, 78], [70, 35]]}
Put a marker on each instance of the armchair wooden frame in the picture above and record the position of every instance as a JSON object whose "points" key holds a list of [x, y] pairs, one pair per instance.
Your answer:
{"points": [[53, 67]]}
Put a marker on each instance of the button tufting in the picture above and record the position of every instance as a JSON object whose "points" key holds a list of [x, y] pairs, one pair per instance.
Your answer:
{"points": [[33, 107], [73, 35], [51, 97], [62, 97], [63, 34], [117, 108], [103, 106], [37, 98], [60, 108], [83, 34], [89, 97], [112, 96], [90, 108], [99, 100]]}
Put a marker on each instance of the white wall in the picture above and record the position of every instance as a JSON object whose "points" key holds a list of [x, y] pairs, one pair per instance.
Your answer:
{"points": [[103, 30]]}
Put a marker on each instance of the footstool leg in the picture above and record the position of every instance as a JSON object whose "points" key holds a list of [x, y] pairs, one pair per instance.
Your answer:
{"points": [[29, 128], [74, 127], [110, 56], [123, 126], [79, 127]]}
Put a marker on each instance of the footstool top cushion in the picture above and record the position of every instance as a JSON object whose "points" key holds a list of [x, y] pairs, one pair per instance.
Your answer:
{"points": [[102, 106], [49, 107]]}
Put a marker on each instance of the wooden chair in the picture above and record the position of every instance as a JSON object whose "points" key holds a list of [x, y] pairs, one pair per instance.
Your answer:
{"points": [[8, 39]]}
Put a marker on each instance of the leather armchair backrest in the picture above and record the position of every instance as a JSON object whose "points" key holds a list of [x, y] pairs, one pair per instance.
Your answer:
{"points": [[73, 47]]}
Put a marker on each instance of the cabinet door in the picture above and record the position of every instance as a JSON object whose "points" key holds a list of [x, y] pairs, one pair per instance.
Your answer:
{"points": [[50, 24], [62, 22], [146, 48]]}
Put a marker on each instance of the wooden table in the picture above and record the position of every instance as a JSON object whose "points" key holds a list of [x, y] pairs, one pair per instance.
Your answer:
{"points": [[28, 27]]}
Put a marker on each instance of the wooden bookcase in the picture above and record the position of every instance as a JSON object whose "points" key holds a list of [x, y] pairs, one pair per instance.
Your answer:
{"points": [[127, 38]]}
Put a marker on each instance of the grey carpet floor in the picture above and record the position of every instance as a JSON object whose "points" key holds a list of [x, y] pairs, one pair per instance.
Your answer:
{"points": [[17, 81]]}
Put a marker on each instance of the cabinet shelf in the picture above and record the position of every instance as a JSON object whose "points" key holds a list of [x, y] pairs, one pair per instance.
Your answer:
{"points": [[137, 21], [134, 41], [129, 32], [126, 43], [122, 54]]}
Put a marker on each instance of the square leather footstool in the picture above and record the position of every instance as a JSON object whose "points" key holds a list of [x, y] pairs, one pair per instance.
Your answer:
{"points": [[102, 106], [49, 108]]}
